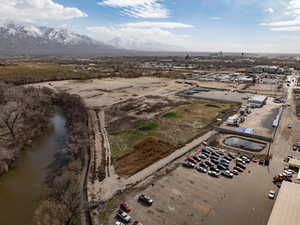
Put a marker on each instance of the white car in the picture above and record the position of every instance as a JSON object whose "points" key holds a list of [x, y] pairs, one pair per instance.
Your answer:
{"points": [[271, 194], [119, 223], [290, 171]]}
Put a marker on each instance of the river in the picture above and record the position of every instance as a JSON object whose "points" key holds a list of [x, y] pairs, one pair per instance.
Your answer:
{"points": [[23, 186]]}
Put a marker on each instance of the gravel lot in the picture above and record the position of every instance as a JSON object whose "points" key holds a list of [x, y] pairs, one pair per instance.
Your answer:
{"points": [[188, 197]]}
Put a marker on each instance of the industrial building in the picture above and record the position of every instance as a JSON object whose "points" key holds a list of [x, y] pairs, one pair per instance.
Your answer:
{"points": [[287, 205], [257, 101]]}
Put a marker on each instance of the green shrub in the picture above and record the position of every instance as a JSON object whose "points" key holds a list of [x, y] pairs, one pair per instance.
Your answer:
{"points": [[171, 115], [212, 105], [149, 125]]}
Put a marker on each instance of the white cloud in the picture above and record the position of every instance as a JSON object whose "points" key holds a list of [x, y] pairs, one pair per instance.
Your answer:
{"points": [[294, 28], [139, 8], [215, 18], [37, 10], [292, 13], [141, 36], [269, 10], [166, 25]]}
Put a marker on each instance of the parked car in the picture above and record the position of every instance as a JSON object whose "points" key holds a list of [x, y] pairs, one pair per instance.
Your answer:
{"points": [[235, 172], [208, 163], [296, 146], [125, 207], [213, 174], [227, 158], [220, 152], [203, 164], [238, 169], [239, 160], [190, 159], [215, 154], [245, 159], [123, 216], [202, 156], [196, 158], [222, 167], [119, 223], [188, 165], [206, 154], [290, 126], [227, 173], [231, 155], [214, 157], [215, 161], [201, 169], [137, 223], [145, 199], [261, 162], [241, 165], [205, 150], [271, 194], [213, 168], [225, 161]]}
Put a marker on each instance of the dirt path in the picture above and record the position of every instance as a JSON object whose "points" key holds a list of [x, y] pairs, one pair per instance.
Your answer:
{"points": [[109, 170]]}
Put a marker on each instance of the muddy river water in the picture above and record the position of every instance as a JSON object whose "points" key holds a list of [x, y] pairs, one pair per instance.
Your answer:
{"points": [[23, 186]]}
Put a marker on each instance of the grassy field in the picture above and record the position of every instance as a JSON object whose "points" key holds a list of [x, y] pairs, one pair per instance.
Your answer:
{"points": [[24, 73], [154, 139]]}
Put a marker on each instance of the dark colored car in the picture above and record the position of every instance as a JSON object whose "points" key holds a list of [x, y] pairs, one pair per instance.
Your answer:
{"points": [[209, 163], [215, 154], [238, 169], [202, 156], [145, 199], [213, 168], [205, 151], [222, 167], [227, 158], [203, 164], [188, 165], [215, 161], [241, 165], [195, 157]]}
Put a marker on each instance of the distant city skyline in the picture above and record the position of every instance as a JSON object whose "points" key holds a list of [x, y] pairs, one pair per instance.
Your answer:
{"points": [[171, 25]]}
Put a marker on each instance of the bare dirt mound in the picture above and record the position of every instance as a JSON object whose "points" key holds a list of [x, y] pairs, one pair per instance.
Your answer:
{"points": [[146, 152]]}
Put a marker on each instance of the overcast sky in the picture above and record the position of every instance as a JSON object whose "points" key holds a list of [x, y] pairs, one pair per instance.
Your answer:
{"points": [[191, 25]]}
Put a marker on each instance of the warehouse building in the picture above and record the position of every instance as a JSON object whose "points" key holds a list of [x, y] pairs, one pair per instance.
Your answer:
{"points": [[257, 101], [287, 205]]}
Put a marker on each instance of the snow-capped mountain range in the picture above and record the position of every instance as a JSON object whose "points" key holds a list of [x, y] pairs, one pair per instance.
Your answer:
{"points": [[28, 39]]}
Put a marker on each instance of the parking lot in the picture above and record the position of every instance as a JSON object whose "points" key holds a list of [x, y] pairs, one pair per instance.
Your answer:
{"points": [[188, 197]]}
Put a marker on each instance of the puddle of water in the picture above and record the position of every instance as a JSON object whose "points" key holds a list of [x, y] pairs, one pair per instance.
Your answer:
{"points": [[244, 144]]}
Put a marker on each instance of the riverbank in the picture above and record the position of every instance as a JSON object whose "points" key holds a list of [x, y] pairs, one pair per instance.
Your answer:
{"points": [[25, 115], [22, 188]]}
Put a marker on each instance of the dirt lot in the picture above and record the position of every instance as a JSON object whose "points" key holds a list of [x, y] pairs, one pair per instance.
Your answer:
{"points": [[260, 119], [142, 142], [204, 200], [266, 89], [108, 91]]}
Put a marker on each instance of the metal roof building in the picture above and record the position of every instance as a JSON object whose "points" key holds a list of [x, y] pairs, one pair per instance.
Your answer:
{"points": [[287, 205], [258, 100]]}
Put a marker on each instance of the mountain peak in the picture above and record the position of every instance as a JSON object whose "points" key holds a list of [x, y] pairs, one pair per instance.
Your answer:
{"points": [[29, 39]]}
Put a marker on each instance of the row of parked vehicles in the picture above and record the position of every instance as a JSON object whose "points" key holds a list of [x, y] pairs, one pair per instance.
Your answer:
{"points": [[216, 162], [286, 175], [124, 210]]}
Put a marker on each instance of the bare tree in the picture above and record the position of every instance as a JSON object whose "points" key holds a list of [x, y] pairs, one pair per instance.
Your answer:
{"points": [[66, 192], [10, 115]]}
